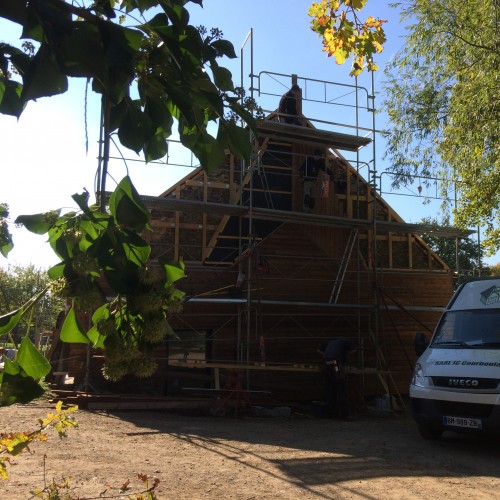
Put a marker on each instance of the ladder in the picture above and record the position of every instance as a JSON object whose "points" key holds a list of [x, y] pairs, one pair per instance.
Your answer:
{"points": [[263, 179], [385, 377], [343, 266]]}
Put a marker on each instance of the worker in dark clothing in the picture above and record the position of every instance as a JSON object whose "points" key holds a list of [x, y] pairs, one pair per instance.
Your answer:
{"points": [[288, 106], [335, 355], [309, 172]]}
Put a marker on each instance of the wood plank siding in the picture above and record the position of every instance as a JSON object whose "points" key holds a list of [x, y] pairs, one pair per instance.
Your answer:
{"points": [[267, 286]]}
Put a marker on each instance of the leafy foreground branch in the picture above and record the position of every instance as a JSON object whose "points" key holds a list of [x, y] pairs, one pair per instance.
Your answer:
{"points": [[13, 444], [104, 273], [150, 66], [343, 34]]}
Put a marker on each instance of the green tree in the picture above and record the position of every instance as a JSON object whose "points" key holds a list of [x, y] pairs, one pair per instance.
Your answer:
{"points": [[18, 284], [5, 236], [443, 103], [495, 270], [462, 255]]}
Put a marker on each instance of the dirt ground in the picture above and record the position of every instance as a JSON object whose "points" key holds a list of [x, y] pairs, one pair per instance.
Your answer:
{"points": [[203, 457]]}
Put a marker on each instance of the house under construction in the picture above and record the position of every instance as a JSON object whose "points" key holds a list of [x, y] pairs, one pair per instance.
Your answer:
{"points": [[271, 275]]}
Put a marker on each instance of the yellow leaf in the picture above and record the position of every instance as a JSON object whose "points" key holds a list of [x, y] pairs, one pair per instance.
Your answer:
{"points": [[3, 470], [341, 56]]}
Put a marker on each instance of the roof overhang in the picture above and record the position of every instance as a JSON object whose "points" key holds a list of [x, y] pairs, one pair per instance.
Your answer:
{"points": [[162, 204], [296, 133]]}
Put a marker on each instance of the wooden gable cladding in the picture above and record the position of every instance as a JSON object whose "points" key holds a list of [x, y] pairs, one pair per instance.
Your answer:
{"points": [[273, 182], [263, 270], [263, 273]]}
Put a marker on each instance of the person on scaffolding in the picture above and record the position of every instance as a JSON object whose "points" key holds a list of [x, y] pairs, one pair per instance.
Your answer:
{"points": [[309, 172], [335, 355], [288, 106]]}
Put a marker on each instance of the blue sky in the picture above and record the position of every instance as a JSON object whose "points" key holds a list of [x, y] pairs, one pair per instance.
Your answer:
{"points": [[44, 158]]}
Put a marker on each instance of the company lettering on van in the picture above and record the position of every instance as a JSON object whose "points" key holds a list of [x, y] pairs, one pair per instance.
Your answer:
{"points": [[482, 363], [494, 364], [463, 382]]}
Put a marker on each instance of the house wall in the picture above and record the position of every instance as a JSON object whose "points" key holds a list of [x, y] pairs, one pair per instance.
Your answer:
{"points": [[291, 311], [392, 286]]}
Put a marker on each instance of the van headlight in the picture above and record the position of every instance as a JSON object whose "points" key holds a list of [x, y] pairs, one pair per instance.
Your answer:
{"points": [[418, 378]]}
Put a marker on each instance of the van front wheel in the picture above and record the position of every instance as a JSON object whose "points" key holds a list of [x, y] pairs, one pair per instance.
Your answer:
{"points": [[429, 432]]}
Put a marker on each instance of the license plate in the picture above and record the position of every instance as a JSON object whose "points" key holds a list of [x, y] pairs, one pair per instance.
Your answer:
{"points": [[469, 423]]}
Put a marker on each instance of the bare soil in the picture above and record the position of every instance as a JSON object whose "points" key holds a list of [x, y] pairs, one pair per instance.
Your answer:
{"points": [[203, 457]]}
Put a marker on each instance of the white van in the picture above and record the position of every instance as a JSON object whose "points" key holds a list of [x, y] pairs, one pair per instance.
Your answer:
{"points": [[456, 382]]}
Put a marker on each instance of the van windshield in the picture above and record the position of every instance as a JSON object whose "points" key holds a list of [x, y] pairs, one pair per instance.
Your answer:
{"points": [[476, 328]]}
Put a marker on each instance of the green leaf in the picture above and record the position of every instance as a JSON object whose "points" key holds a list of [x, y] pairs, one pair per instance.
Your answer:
{"points": [[10, 98], [96, 338], [12, 367], [6, 243], [82, 52], [174, 270], [239, 140], [133, 37], [10, 320], [157, 147], [102, 313], [82, 201], [121, 56], [56, 271], [176, 13], [358, 4], [38, 223], [72, 330], [63, 246], [157, 110], [222, 77], [117, 114], [136, 249], [135, 129], [19, 59], [93, 229], [44, 76], [18, 389], [159, 20], [32, 361], [224, 48], [127, 207], [208, 151], [246, 116], [177, 295]]}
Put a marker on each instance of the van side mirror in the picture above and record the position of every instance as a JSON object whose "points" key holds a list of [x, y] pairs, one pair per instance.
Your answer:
{"points": [[420, 343]]}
